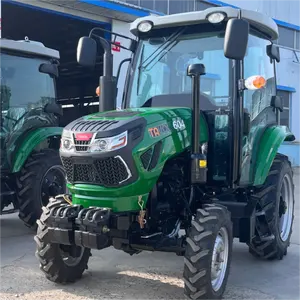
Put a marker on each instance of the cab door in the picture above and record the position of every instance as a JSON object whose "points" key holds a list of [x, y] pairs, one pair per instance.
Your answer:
{"points": [[260, 81]]}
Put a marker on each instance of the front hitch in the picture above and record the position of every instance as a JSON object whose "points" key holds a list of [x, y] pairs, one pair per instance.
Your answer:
{"points": [[75, 225]]}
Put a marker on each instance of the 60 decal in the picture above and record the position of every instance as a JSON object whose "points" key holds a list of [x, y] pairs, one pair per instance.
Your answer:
{"points": [[178, 124]]}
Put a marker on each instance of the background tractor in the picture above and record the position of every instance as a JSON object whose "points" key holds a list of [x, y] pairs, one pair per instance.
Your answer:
{"points": [[194, 148], [31, 168]]}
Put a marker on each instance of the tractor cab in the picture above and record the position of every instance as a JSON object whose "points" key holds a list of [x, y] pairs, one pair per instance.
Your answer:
{"points": [[237, 96], [28, 95]]}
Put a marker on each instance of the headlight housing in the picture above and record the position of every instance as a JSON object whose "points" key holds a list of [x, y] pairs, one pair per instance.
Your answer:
{"points": [[95, 145], [67, 143], [109, 144]]}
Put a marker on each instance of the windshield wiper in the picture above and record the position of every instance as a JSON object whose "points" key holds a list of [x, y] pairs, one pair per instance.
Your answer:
{"points": [[139, 71], [171, 40]]}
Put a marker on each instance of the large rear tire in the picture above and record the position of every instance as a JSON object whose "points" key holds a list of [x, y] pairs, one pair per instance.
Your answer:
{"points": [[41, 177], [208, 253], [274, 212], [60, 263]]}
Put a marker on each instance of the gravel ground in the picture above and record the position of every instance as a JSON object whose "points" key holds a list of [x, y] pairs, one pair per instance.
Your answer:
{"points": [[116, 275]]}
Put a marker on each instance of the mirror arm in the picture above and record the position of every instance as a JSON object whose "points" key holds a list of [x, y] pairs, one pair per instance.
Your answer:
{"points": [[120, 66], [107, 57], [132, 48]]}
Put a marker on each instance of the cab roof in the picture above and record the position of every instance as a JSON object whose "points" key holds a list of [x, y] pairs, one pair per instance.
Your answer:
{"points": [[257, 20], [29, 47]]}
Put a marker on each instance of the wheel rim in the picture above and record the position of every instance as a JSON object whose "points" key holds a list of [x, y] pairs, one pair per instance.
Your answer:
{"points": [[71, 255], [286, 206], [53, 183], [219, 259]]}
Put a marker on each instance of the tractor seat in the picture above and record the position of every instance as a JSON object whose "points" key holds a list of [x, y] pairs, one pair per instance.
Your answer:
{"points": [[180, 100]]}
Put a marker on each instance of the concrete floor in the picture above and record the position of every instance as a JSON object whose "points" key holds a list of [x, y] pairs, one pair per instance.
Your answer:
{"points": [[115, 275]]}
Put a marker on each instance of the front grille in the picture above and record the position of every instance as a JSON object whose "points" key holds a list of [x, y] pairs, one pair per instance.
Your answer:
{"points": [[146, 157], [156, 155], [82, 145], [108, 171], [150, 158]]}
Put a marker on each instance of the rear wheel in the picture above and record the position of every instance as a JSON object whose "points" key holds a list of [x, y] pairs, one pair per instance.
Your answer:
{"points": [[274, 212], [60, 263], [41, 177], [208, 253]]}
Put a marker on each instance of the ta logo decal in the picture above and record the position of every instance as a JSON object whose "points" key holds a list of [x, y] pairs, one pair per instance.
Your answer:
{"points": [[178, 124], [160, 129]]}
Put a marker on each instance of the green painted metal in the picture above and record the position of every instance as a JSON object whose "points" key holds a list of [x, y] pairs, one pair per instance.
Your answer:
{"points": [[174, 142], [268, 147], [33, 139]]}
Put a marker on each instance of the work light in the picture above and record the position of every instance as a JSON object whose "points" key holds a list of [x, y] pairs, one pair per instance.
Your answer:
{"points": [[216, 17], [145, 26]]}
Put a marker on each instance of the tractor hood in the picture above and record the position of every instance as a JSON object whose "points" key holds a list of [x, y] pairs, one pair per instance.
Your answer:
{"points": [[124, 150], [158, 122]]}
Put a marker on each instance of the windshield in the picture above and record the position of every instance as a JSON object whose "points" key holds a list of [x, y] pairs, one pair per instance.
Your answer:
{"points": [[160, 69], [23, 89], [24, 93]]}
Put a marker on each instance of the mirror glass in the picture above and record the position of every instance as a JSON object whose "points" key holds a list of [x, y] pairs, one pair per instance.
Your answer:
{"points": [[273, 52], [86, 52], [236, 39], [48, 68]]}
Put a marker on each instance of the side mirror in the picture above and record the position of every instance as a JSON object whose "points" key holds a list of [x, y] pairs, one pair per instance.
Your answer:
{"points": [[86, 52], [273, 52], [277, 102], [236, 39], [53, 108], [49, 68]]}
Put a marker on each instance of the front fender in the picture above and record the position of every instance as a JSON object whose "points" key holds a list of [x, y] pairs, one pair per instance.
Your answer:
{"points": [[270, 142], [33, 139]]}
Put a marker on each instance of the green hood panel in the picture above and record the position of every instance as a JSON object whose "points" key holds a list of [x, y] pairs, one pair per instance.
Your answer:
{"points": [[155, 117], [169, 126]]}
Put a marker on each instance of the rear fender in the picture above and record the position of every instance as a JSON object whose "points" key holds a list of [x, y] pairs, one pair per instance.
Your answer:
{"points": [[270, 142], [32, 140]]}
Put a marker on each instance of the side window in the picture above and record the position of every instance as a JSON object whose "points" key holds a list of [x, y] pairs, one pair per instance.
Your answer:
{"points": [[257, 63], [261, 84], [285, 115]]}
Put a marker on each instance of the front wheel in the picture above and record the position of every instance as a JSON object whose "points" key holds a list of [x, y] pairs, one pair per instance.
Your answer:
{"points": [[208, 253], [41, 177], [60, 263]]}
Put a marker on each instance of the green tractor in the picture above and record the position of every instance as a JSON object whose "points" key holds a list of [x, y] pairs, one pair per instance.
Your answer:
{"points": [[31, 169], [188, 163]]}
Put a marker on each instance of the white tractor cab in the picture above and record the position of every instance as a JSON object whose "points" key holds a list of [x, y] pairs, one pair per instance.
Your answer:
{"points": [[24, 91], [28, 72]]}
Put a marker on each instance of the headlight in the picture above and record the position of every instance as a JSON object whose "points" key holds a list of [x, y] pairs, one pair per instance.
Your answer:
{"points": [[216, 17], [67, 143], [145, 26], [109, 144]]}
